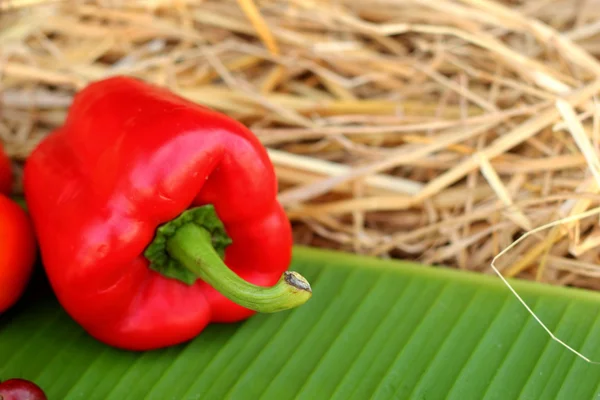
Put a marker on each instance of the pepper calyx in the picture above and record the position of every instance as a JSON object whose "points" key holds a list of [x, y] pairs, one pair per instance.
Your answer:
{"points": [[161, 260]]}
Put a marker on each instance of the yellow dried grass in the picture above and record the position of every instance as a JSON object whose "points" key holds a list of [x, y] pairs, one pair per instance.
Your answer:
{"points": [[435, 130]]}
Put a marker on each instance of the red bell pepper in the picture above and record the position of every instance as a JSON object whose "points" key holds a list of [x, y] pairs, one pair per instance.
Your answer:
{"points": [[6, 177], [156, 216]]}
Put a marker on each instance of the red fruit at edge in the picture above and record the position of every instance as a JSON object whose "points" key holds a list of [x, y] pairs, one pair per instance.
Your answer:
{"points": [[6, 178], [20, 389]]}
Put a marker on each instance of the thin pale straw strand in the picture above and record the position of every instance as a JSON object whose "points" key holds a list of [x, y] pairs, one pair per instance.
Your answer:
{"points": [[263, 31], [576, 217], [323, 167], [494, 180], [12, 5], [580, 137], [578, 133], [260, 25]]}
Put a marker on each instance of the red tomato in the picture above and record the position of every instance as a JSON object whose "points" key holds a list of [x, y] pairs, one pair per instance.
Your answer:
{"points": [[6, 179], [17, 252]]}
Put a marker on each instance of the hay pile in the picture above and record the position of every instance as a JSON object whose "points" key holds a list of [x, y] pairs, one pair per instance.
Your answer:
{"points": [[436, 130]]}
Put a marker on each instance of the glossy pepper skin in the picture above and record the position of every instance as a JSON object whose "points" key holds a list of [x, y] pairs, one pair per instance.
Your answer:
{"points": [[6, 178], [17, 244], [130, 157]]}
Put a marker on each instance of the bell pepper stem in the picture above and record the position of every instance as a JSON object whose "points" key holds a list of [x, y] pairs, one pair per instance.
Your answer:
{"points": [[191, 245]]}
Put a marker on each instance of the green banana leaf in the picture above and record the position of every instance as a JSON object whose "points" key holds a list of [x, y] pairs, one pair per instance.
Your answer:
{"points": [[373, 329]]}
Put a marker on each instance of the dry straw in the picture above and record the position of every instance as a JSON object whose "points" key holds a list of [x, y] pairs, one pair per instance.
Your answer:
{"points": [[440, 131]]}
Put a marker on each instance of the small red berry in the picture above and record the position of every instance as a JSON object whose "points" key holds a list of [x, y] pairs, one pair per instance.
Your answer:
{"points": [[20, 389]]}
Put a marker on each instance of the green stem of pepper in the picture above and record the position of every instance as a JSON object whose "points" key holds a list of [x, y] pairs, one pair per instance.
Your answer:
{"points": [[191, 246]]}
